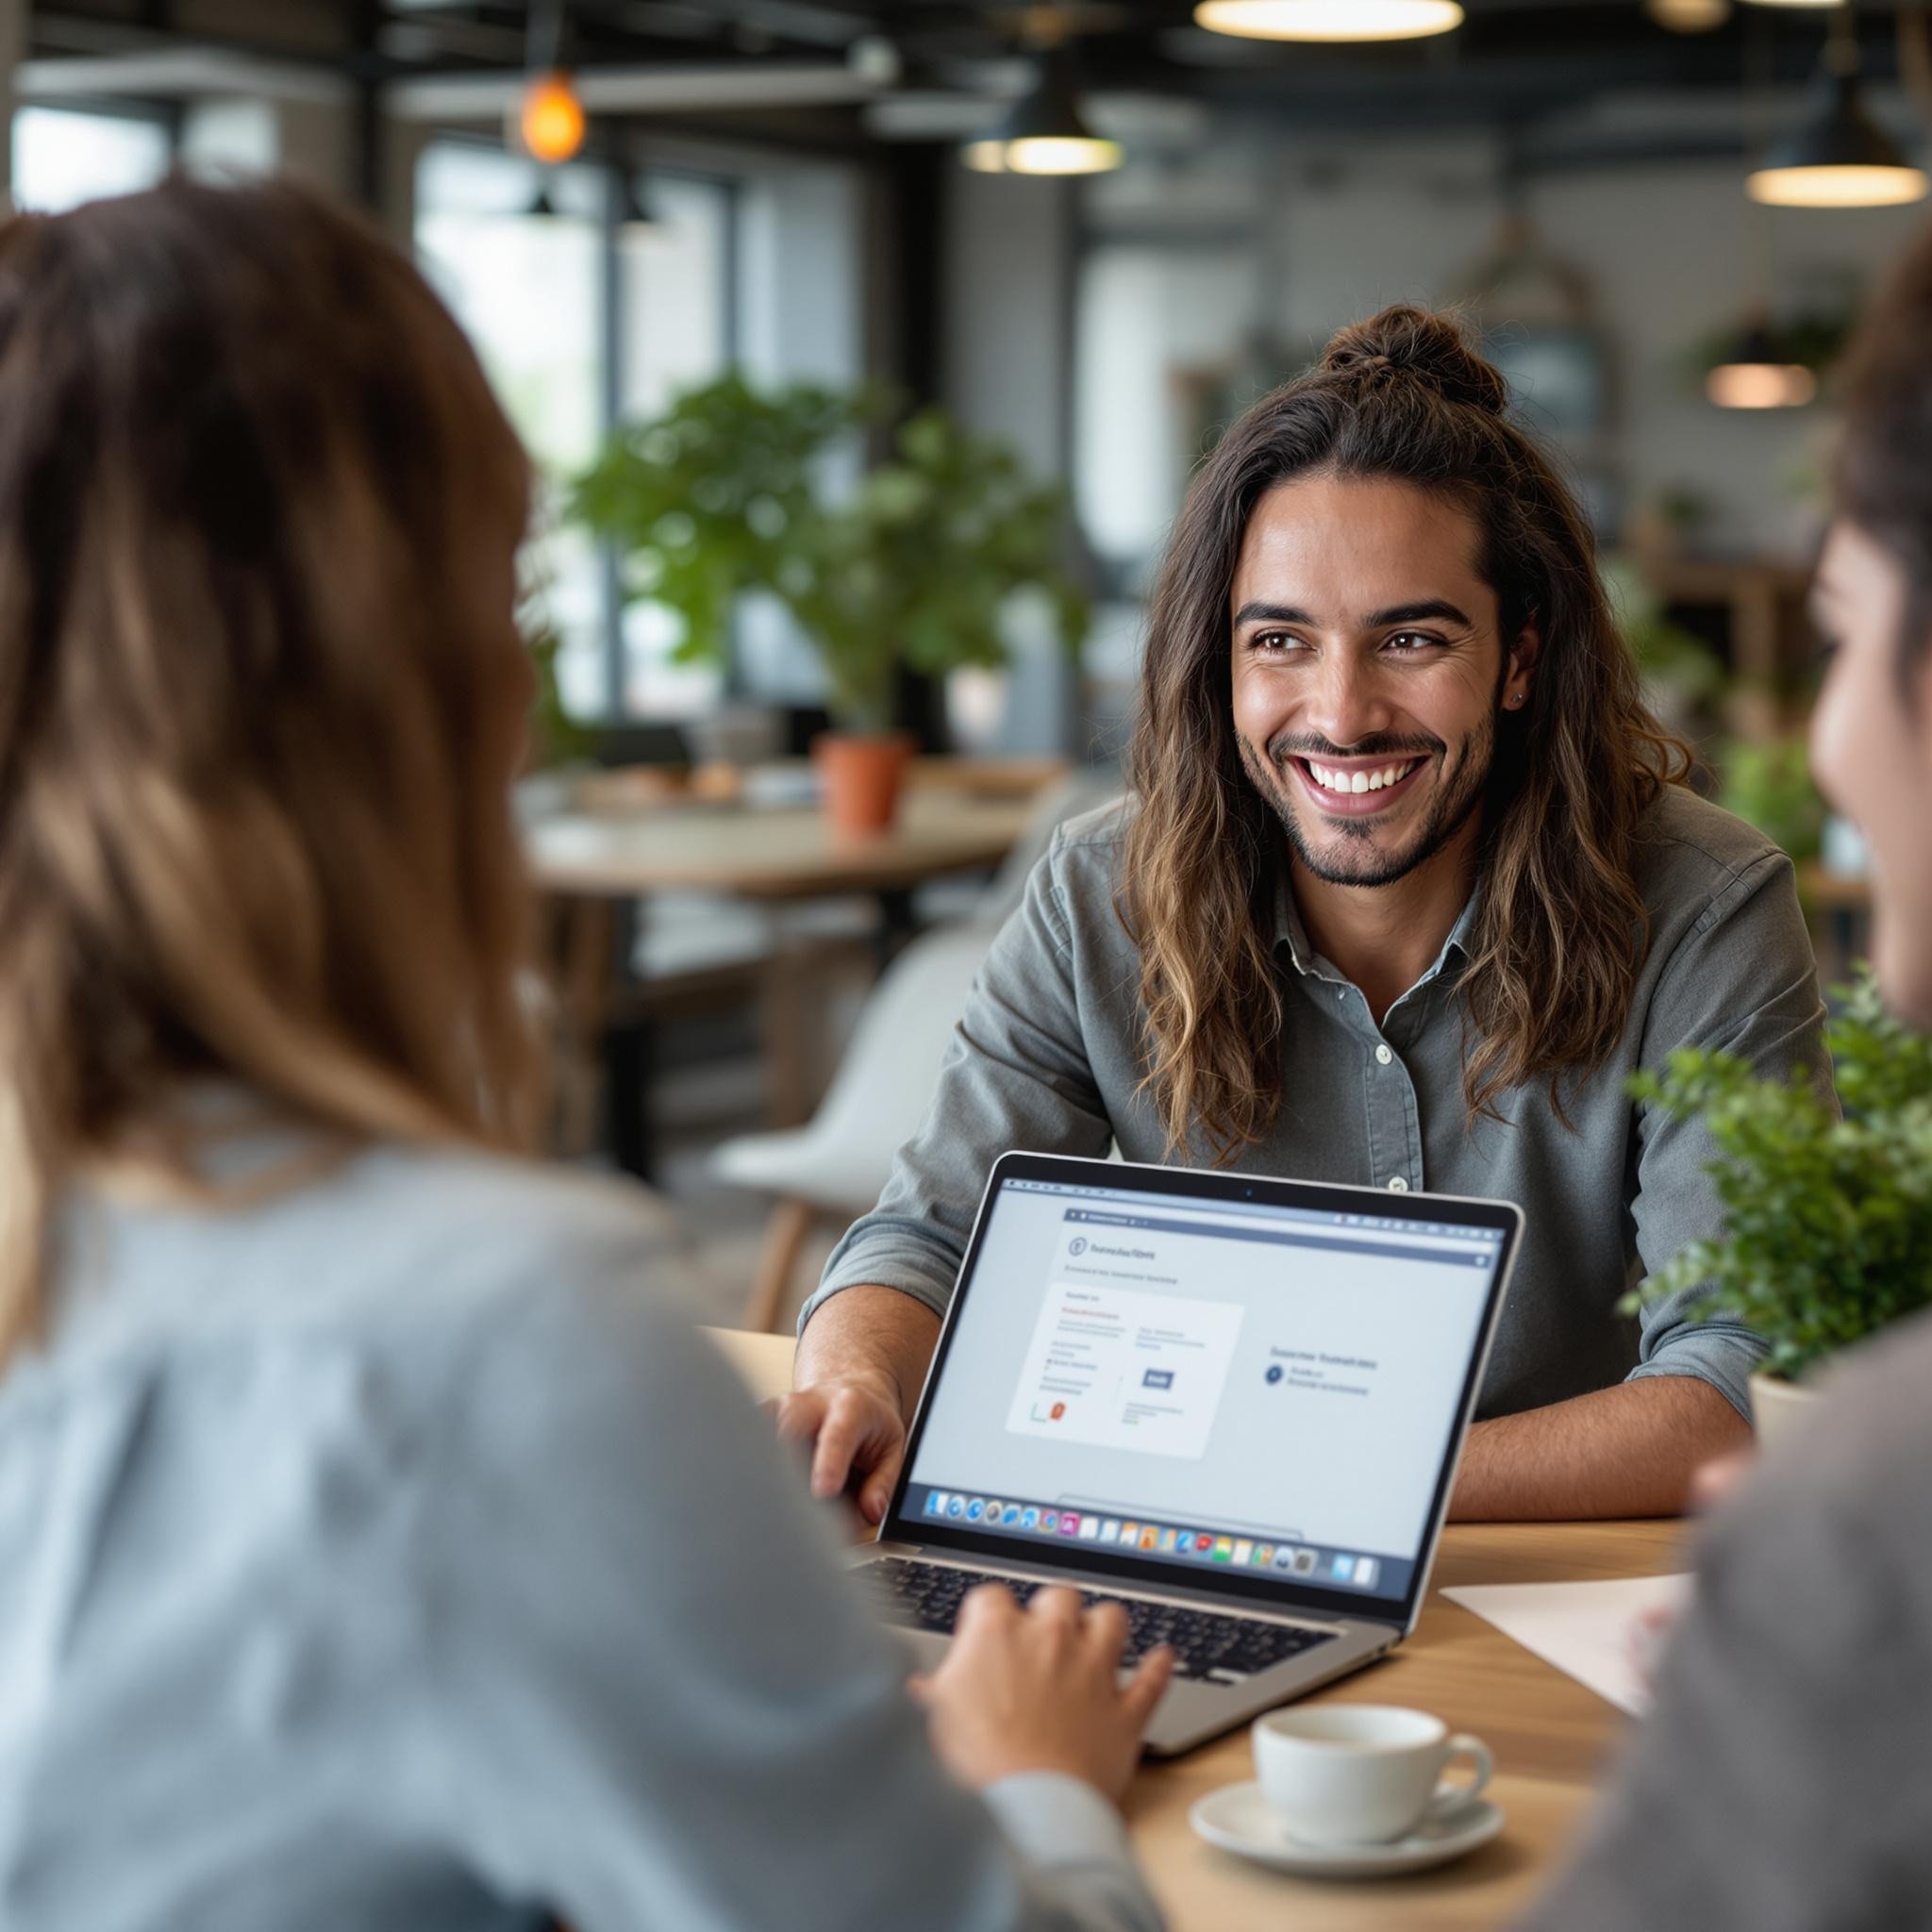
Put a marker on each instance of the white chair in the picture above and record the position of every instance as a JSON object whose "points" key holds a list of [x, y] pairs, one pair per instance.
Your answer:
{"points": [[836, 1167], [837, 1164]]}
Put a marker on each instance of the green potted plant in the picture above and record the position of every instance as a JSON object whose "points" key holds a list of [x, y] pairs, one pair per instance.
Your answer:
{"points": [[727, 492], [1827, 1230], [1768, 783], [1682, 675]]}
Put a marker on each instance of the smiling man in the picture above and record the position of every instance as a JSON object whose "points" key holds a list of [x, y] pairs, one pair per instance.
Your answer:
{"points": [[1407, 888]]}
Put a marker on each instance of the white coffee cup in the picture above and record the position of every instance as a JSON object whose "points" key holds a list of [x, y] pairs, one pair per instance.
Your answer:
{"points": [[1362, 1774]]}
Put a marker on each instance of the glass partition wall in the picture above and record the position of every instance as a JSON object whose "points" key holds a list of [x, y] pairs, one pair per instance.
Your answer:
{"points": [[583, 317]]}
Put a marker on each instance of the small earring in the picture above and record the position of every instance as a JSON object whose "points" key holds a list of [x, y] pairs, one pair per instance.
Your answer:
{"points": [[1515, 699]]}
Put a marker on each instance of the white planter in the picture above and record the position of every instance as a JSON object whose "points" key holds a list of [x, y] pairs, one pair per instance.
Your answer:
{"points": [[1781, 1411], [1844, 851]]}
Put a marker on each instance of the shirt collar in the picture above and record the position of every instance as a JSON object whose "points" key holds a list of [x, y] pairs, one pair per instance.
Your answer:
{"points": [[1289, 932]]}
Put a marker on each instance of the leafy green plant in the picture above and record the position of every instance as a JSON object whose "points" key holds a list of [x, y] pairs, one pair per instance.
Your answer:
{"points": [[1667, 654], [711, 498], [727, 492], [1827, 1220], [1769, 783]]}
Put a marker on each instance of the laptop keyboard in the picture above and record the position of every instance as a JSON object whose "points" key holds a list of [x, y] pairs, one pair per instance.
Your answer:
{"points": [[1207, 1645]]}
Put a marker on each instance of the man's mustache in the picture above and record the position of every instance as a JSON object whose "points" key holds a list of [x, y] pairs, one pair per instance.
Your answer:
{"points": [[1383, 744]]}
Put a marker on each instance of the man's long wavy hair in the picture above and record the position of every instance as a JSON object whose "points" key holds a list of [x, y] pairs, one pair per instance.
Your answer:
{"points": [[257, 712], [1560, 931]]}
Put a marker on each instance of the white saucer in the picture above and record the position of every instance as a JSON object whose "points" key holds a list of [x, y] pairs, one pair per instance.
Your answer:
{"points": [[1239, 1818]]}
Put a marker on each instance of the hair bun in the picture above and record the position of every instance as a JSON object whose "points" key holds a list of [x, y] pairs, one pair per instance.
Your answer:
{"points": [[1423, 343]]}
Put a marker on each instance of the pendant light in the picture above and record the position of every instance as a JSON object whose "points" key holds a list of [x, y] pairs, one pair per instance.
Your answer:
{"points": [[1754, 376], [549, 121], [637, 219], [1840, 158], [1688, 16], [1046, 133], [1329, 19]]}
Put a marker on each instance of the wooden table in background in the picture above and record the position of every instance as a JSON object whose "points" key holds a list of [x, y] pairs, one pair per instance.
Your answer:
{"points": [[772, 854], [1838, 910], [1551, 1737], [598, 870]]}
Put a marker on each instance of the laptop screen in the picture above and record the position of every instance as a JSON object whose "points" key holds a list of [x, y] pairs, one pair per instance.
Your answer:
{"points": [[1201, 1381]]}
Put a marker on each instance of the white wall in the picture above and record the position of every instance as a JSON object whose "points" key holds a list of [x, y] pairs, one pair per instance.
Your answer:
{"points": [[1673, 253]]}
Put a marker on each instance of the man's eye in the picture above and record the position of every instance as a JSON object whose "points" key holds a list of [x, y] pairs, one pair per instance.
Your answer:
{"points": [[1274, 641], [1411, 641]]}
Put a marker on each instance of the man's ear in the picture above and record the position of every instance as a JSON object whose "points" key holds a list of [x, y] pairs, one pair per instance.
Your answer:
{"points": [[1520, 671]]}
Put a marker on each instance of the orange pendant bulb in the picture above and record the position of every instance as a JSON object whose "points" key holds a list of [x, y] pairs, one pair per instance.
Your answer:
{"points": [[550, 120]]}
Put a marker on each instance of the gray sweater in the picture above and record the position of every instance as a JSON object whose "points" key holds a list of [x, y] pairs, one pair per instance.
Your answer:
{"points": [[1784, 1781], [387, 1556]]}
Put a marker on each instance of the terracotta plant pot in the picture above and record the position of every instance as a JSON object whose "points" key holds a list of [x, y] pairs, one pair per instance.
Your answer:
{"points": [[861, 777], [1781, 1411]]}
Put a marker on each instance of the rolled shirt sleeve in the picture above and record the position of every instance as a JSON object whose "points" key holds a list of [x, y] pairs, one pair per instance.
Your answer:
{"points": [[1742, 979], [1017, 1075]]}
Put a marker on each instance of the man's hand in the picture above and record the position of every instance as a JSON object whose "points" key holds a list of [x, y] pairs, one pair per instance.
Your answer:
{"points": [[855, 1380], [1035, 1689], [855, 1433]]}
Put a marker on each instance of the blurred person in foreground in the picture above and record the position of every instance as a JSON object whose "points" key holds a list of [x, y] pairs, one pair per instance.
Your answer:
{"points": [[1406, 891], [1780, 1783], [376, 1550]]}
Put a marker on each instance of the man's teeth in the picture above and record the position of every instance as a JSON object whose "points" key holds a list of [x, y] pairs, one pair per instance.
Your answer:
{"points": [[1361, 781]]}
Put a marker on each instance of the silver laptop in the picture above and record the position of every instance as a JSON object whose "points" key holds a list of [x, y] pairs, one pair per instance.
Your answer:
{"points": [[1232, 1404]]}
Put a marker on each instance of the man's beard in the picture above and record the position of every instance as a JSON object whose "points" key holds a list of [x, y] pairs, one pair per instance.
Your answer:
{"points": [[1359, 864]]}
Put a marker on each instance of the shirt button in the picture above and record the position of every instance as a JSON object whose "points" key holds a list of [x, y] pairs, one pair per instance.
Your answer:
{"points": [[1383, 1055], [1397, 1185]]}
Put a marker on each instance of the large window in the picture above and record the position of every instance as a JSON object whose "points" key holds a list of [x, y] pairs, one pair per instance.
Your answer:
{"points": [[580, 321], [62, 158]]}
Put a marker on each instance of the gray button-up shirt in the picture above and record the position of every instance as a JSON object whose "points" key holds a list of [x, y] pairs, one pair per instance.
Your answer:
{"points": [[1049, 1058]]}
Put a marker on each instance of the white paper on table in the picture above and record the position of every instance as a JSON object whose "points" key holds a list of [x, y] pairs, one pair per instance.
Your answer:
{"points": [[1585, 1629]]}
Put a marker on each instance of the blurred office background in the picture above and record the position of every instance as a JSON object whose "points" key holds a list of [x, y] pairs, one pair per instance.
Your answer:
{"points": [[825, 193]]}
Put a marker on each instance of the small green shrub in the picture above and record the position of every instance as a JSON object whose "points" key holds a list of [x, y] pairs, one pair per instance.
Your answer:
{"points": [[1828, 1221]]}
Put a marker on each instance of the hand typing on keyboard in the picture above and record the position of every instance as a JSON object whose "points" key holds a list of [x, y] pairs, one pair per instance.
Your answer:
{"points": [[1207, 1644], [1036, 1689]]}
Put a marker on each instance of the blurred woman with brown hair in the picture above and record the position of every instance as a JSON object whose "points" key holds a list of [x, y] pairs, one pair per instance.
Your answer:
{"points": [[1779, 1785], [374, 1551]]}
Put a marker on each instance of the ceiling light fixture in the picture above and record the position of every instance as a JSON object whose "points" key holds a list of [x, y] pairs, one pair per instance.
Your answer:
{"points": [[1329, 19], [637, 219], [1688, 16], [1753, 376], [550, 119], [549, 123], [1840, 158], [1046, 133]]}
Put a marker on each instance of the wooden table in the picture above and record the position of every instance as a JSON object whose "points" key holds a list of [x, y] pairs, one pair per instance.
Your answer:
{"points": [[765, 854], [599, 870], [1550, 1736], [1840, 912]]}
